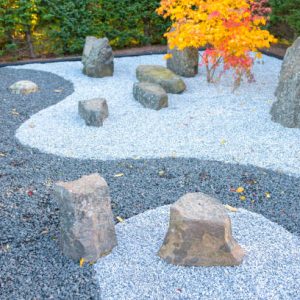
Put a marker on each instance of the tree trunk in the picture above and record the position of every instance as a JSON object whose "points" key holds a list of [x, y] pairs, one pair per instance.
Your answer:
{"points": [[29, 43]]}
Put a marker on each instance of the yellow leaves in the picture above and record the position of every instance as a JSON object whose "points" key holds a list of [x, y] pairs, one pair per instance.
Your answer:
{"points": [[231, 208], [240, 189], [119, 175], [258, 55], [168, 56], [81, 262], [223, 142], [121, 220], [242, 198], [267, 195]]}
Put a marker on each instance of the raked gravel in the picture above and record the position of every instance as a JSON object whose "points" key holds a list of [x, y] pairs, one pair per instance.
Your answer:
{"points": [[270, 269], [207, 121]]}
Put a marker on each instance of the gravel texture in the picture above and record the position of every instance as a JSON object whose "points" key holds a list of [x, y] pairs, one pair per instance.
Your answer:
{"points": [[270, 269], [30, 261], [207, 121]]}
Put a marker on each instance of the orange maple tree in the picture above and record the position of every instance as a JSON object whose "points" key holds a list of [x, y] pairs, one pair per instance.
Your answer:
{"points": [[229, 29]]}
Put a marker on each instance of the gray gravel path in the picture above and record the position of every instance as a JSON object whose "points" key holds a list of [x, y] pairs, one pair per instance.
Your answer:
{"points": [[206, 121], [270, 269], [30, 262]]}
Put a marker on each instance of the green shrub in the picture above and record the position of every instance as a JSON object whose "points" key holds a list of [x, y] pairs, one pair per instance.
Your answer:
{"points": [[285, 18]]}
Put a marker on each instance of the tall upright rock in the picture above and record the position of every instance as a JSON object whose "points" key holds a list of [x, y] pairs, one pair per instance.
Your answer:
{"points": [[184, 62], [86, 219], [286, 110], [97, 57]]}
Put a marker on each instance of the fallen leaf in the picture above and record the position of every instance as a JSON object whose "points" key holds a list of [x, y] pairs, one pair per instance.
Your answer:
{"points": [[119, 175], [242, 198], [174, 154], [161, 173], [240, 189], [58, 90], [223, 142], [231, 208], [268, 195], [81, 262], [2, 154], [29, 193], [120, 219], [14, 112], [31, 125], [136, 157]]}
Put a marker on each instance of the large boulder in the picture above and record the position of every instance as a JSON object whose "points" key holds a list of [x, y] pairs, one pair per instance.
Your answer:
{"points": [[93, 111], [286, 110], [169, 81], [23, 87], [199, 234], [150, 95], [86, 219], [184, 62], [97, 57]]}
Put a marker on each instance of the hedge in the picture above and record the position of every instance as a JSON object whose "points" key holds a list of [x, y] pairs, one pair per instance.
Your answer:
{"points": [[55, 27]]}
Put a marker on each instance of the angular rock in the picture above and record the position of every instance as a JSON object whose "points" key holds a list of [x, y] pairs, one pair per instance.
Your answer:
{"points": [[184, 62], [23, 87], [286, 110], [86, 221], [199, 234], [169, 81], [97, 57], [93, 111], [150, 95]]}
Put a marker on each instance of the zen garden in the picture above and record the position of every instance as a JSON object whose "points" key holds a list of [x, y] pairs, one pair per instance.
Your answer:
{"points": [[150, 149]]}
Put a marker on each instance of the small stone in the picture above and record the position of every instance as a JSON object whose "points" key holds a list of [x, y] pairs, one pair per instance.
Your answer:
{"points": [[184, 62], [199, 234], [169, 81], [86, 221], [23, 87], [150, 95], [97, 57], [286, 110], [93, 111]]}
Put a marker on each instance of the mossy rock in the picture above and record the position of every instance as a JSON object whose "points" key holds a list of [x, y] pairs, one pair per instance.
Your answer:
{"points": [[168, 80]]}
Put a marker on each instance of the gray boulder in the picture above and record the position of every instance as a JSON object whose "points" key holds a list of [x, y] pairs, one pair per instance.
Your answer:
{"points": [[184, 62], [97, 57], [286, 110], [150, 95], [169, 81], [93, 111], [86, 221], [199, 234]]}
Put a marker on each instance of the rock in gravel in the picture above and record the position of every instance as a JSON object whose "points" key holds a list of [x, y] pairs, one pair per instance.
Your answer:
{"points": [[200, 234], [169, 81], [286, 110], [23, 87], [150, 95], [184, 62], [93, 111], [86, 219], [97, 57]]}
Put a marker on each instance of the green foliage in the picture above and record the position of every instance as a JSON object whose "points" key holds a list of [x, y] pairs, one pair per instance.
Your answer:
{"points": [[285, 18], [60, 27]]}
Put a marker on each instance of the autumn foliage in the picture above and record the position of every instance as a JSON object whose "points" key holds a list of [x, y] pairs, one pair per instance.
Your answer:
{"points": [[230, 30]]}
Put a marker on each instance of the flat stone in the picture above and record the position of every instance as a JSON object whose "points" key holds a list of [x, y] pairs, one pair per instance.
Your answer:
{"points": [[286, 110], [23, 87], [150, 95], [169, 81], [93, 111], [184, 62], [86, 221], [97, 57], [200, 234]]}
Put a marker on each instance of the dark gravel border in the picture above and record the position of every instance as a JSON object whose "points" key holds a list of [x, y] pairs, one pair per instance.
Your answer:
{"points": [[32, 266]]}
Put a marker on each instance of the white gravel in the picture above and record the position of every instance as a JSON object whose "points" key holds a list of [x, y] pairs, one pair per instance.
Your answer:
{"points": [[270, 269], [207, 121]]}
